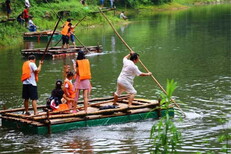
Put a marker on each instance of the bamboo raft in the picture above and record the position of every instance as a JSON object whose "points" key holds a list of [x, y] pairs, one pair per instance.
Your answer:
{"points": [[59, 52], [41, 36], [47, 122]]}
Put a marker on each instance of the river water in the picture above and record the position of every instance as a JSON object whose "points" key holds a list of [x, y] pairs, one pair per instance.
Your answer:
{"points": [[191, 46]]}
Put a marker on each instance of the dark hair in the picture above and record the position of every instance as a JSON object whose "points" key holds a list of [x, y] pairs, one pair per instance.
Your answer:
{"points": [[134, 56], [81, 55], [70, 74], [58, 84], [69, 24], [68, 20], [31, 57]]}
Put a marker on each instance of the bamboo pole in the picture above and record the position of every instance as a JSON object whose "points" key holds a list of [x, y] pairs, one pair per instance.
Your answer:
{"points": [[129, 48], [51, 38]]}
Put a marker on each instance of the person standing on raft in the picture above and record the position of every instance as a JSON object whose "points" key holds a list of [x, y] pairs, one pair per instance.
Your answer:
{"points": [[29, 78], [83, 76], [126, 77]]}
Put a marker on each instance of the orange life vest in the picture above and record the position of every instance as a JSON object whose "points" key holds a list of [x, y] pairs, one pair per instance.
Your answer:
{"points": [[26, 73], [65, 29], [84, 69], [70, 89], [62, 107]]}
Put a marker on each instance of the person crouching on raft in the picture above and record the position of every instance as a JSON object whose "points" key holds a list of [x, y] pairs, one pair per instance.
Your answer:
{"points": [[126, 77], [83, 76], [69, 91]]}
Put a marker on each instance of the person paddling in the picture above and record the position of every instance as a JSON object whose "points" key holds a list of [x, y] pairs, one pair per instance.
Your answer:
{"points": [[29, 79], [126, 77]]}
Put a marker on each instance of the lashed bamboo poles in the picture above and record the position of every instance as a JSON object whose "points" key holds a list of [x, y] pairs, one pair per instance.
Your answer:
{"points": [[129, 48]]}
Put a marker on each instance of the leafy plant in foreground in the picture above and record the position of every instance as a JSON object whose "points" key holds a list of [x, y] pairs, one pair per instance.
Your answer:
{"points": [[164, 134]]}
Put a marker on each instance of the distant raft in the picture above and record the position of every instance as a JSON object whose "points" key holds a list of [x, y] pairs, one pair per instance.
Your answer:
{"points": [[41, 36], [58, 51], [101, 111]]}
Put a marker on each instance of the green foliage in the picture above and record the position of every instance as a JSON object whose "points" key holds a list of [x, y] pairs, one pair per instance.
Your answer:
{"points": [[164, 135], [166, 98]]}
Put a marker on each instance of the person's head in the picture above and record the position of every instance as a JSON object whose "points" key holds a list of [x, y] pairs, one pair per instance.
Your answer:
{"points": [[134, 57], [81, 55], [31, 17], [26, 7], [70, 24], [70, 75], [69, 20], [31, 57], [58, 84]]}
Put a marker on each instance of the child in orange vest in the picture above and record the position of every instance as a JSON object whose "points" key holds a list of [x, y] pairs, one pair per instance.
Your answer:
{"points": [[69, 91]]}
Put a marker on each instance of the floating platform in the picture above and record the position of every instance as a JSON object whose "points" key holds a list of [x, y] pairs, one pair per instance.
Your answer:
{"points": [[100, 112], [41, 36], [58, 51]]}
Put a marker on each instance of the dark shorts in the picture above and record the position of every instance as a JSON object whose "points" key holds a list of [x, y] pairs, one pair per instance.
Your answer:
{"points": [[65, 39], [29, 92]]}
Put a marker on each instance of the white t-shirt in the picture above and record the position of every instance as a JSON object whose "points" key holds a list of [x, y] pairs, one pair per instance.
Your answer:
{"points": [[31, 23], [129, 71], [31, 80]]}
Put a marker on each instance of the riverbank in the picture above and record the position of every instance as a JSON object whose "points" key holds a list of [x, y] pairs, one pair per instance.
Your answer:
{"points": [[45, 16]]}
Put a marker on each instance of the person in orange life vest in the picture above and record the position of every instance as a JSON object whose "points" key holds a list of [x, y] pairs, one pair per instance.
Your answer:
{"points": [[126, 77], [66, 32], [83, 76], [29, 78], [26, 16], [69, 91]]}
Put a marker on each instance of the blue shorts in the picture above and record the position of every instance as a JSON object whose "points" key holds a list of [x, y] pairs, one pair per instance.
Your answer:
{"points": [[72, 38], [29, 92]]}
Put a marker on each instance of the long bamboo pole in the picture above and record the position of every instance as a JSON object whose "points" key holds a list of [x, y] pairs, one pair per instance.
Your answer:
{"points": [[51, 38], [129, 48]]}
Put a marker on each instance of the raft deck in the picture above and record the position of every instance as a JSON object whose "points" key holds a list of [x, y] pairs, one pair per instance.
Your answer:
{"points": [[58, 51], [100, 112]]}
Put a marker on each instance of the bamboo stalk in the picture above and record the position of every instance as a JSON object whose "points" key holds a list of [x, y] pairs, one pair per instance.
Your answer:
{"points": [[129, 48]]}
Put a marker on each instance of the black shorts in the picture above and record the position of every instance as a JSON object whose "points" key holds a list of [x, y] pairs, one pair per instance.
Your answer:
{"points": [[65, 39], [29, 92]]}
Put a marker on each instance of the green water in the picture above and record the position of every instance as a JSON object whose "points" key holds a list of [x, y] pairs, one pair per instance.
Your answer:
{"points": [[190, 46]]}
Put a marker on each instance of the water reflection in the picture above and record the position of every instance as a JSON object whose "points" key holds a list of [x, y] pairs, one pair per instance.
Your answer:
{"points": [[29, 44], [79, 146]]}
